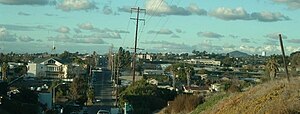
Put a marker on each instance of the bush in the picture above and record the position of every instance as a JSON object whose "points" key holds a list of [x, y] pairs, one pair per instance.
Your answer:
{"points": [[184, 104], [211, 101]]}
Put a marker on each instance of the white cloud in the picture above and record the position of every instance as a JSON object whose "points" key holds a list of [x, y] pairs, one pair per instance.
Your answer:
{"points": [[113, 35], [77, 30], [230, 14], [63, 29], [178, 30], [241, 14], [233, 36], [66, 39], [291, 49], [175, 36], [25, 39], [23, 13], [210, 34], [6, 36], [271, 42], [161, 31], [86, 26], [105, 30], [292, 4], [107, 10], [166, 46], [269, 16], [245, 40], [125, 9], [275, 36], [193, 8], [49, 14], [296, 41], [25, 2], [39, 40], [69, 5], [161, 8]]}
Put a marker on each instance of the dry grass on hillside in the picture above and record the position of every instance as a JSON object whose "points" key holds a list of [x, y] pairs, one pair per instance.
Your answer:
{"points": [[274, 97]]}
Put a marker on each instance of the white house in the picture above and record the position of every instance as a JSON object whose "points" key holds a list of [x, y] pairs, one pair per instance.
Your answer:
{"points": [[153, 72], [204, 62], [48, 68]]}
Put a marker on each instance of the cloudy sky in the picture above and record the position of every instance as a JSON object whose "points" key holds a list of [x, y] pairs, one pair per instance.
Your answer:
{"points": [[219, 26]]}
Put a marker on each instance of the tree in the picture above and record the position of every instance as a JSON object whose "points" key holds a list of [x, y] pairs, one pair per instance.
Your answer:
{"points": [[272, 68], [4, 71], [90, 95], [179, 69], [228, 61], [188, 71], [20, 70], [295, 62], [145, 98], [78, 89]]}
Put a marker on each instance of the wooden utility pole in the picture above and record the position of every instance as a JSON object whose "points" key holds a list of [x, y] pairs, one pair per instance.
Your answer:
{"points": [[283, 58], [138, 10]]}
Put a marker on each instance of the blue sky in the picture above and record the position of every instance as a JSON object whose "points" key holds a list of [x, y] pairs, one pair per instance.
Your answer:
{"points": [[219, 26]]}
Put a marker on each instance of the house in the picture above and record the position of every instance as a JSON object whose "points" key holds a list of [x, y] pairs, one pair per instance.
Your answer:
{"points": [[202, 90], [152, 81], [153, 72], [211, 62], [48, 68], [152, 69], [145, 56], [215, 87]]}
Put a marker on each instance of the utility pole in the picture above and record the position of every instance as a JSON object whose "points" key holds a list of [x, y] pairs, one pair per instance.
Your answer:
{"points": [[283, 58], [138, 10]]}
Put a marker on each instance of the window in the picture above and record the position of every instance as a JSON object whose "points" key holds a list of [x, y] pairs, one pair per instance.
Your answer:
{"points": [[51, 61]]}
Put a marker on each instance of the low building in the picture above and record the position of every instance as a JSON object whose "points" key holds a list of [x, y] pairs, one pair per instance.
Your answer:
{"points": [[211, 62], [201, 90], [153, 72], [48, 68], [146, 57]]}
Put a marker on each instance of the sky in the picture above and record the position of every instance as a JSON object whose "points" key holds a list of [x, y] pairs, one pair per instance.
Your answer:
{"points": [[178, 26]]}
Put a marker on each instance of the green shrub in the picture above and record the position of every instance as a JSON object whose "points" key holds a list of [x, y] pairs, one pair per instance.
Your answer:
{"points": [[211, 101]]}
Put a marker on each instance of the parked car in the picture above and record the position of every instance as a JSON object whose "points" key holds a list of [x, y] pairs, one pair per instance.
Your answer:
{"points": [[103, 112]]}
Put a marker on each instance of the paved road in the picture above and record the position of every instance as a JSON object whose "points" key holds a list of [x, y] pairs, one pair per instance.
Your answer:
{"points": [[103, 91]]}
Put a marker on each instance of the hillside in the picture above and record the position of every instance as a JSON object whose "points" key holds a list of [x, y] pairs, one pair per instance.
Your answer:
{"points": [[274, 97], [238, 54]]}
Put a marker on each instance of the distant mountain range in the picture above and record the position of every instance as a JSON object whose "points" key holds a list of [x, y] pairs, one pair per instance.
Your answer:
{"points": [[238, 54]]}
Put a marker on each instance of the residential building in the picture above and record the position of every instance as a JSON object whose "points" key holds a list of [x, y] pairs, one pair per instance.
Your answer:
{"points": [[211, 62], [48, 68], [145, 56]]}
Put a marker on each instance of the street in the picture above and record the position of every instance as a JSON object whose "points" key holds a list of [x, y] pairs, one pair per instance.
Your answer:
{"points": [[101, 81]]}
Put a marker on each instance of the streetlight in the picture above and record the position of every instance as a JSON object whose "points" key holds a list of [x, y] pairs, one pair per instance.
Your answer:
{"points": [[53, 93]]}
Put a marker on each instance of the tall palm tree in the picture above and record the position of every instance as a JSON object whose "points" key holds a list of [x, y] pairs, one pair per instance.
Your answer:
{"points": [[174, 70], [4, 71], [272, 68], [188, 71]]}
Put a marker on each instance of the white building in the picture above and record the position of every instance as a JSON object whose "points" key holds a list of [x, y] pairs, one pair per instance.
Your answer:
{"points": [[153, 72], [145, 56], [204, 62], [48, 68]]}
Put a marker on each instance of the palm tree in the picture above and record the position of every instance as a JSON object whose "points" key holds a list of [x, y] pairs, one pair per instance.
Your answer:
{"points": [[272, 68], [174, 70], [4, 71], [188, 71]]}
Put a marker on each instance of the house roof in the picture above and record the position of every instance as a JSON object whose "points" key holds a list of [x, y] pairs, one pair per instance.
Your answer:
{"points": [[40, 60]]}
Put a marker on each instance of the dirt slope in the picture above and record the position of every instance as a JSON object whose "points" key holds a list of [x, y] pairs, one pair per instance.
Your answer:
{"points": [[274, 97]]}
